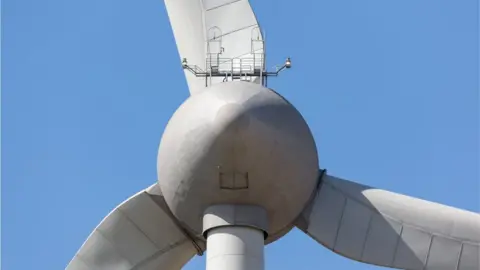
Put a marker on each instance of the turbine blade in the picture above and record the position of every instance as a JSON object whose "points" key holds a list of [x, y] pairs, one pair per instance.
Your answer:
{"points": [[387, 229], [211, 33], [138, 234]]}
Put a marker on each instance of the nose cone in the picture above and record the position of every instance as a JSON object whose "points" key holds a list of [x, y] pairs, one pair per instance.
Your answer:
{"points": [[237, 143], [232, 118]]}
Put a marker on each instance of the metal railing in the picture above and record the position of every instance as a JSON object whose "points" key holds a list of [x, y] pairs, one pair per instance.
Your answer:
{"points": [[246, 67], [234, 65]]}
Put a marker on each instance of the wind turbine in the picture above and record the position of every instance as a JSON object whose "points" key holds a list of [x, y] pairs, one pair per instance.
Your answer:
{"points": [[238, 169]]}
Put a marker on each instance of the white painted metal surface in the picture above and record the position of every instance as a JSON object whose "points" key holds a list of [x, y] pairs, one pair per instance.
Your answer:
{"points": [[211, 152], [138, 234], [196, 23], [237, 143], [388, 229], [235, 248]]}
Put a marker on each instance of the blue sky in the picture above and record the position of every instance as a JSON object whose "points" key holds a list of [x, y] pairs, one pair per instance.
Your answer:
{"points": [[389, 89]]}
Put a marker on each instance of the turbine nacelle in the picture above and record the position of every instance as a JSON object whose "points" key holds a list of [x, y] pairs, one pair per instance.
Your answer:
{"points": [[237, 143]]}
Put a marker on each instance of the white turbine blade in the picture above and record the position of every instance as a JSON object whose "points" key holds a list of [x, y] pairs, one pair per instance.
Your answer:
{"points": [[186, 20], [199, 26], [387, 229], [138, 234]]}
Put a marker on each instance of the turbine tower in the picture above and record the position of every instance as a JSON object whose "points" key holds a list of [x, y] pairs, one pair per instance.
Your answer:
{"points": [[238, 169]]}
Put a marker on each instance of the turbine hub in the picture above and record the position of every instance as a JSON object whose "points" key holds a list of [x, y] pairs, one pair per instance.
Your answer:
{"points": [[237, 143]]}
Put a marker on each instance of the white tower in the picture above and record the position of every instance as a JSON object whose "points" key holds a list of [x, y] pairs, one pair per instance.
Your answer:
{"points": [[238, 169]]}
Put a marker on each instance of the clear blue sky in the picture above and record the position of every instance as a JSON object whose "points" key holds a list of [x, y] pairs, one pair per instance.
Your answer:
{"points": [[389, 89]]}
